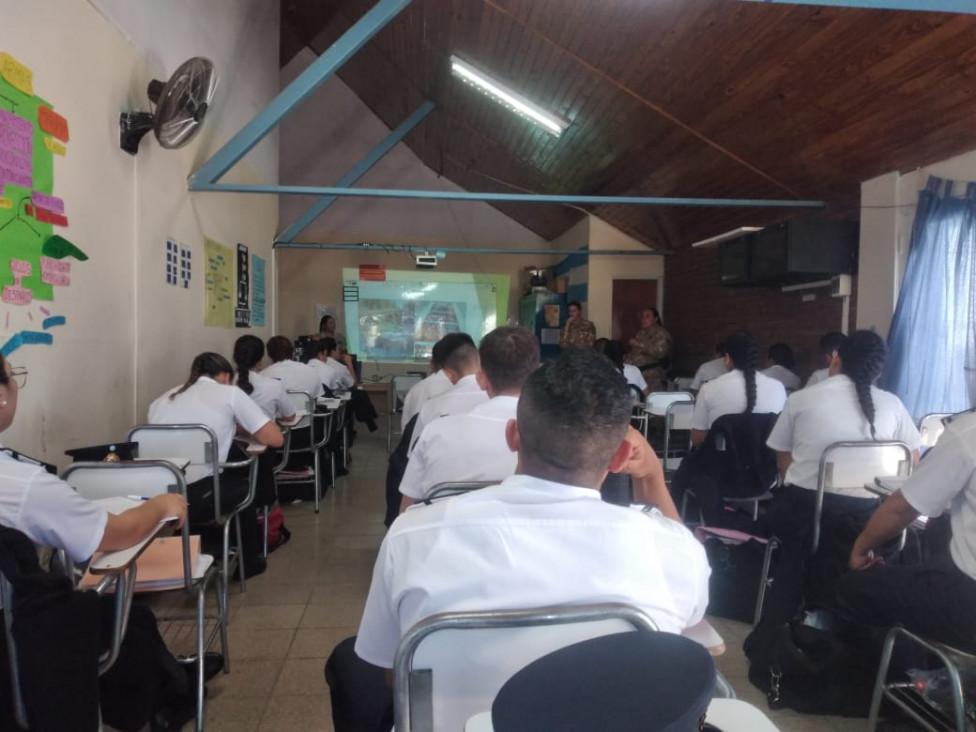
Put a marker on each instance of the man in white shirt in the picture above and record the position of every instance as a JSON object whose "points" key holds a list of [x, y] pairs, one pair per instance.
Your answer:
{"points": [[710, 369], [542, 537], [829, 343], [779, 365], [332, 373], [472, 446], [464, 396], [440, 379], [935, 598], [296, 376]]}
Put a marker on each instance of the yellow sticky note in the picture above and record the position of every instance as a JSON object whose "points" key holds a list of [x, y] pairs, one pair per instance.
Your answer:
{"points": [[56, 147], [6, 203], [16, 74]]}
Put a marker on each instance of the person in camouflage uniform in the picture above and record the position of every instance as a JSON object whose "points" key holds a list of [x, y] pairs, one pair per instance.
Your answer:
{"points": [[577, 331], [650, 348]]}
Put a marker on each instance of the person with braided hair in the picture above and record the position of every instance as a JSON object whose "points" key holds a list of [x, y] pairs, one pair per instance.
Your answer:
{"points": [[742, 389]]}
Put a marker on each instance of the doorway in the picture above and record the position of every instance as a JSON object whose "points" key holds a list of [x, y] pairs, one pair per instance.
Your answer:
{"points": [[630, 297]]}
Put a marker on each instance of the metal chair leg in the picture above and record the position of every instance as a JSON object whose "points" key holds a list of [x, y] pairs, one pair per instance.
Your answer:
{"points": [[317, 484], [222, 615], [201, 628], [240, 552], [266, 514], [771, 544]]}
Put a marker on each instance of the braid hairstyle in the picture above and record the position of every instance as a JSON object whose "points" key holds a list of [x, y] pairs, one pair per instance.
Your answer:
{"points": [[862, 358], [206, 364], [248, 352], [743, 349]]}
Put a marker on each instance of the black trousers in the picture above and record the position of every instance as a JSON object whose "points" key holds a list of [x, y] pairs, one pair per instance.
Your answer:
{"points": [[934, 599], [362, 700]]}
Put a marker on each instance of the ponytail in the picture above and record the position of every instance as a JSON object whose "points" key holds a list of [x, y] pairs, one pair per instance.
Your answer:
{"points": [[862, 358], [206, 364], [743, 349], [248, 352]]}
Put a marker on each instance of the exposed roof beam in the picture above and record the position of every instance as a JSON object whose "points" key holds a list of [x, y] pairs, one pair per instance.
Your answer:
{"points": [[932, 6]]}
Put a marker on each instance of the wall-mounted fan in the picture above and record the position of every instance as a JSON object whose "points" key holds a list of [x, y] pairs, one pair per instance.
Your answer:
{"points": [[179, 106]]}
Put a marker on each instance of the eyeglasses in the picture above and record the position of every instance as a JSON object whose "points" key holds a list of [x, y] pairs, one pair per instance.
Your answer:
{"points": [[19, 375]]}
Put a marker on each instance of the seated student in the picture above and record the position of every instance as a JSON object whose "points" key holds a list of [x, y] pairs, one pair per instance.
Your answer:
{"points": [[710, 369], [779, 366], [935, 598], [614, 350], [472, 446], [541, 537], [741, 389], [439, 380], [208, 398], [829, 343], [464, 396], [51, 514], [333, 374], [295, 376]]}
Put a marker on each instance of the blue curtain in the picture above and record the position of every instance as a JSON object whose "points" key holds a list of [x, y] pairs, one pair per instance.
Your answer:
{"points": [[932, 343]]}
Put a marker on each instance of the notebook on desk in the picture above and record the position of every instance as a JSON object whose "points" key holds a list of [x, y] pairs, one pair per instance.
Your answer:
{"points": [[160, 567], [890, 483]]}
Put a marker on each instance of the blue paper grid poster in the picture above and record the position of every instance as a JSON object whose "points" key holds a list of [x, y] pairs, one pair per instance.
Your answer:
{"points": [[257, 291]]}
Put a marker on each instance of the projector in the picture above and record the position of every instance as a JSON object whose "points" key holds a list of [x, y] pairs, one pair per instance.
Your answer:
{"points": [[425, 261]]}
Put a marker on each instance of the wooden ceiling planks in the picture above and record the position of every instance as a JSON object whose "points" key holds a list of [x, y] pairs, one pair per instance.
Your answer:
{"points": [[704, 98]]}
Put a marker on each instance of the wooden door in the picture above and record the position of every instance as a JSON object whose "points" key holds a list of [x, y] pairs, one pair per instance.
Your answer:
{"points": [[630, 297]]}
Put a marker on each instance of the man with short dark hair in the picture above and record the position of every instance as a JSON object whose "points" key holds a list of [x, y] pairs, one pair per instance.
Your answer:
{"points": [[439, 380], [542, 537], [464, 365], [829, 343], [471, 446]]}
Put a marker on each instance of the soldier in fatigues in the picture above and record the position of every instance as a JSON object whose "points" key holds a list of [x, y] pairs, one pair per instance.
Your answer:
{"points": [[650, 348], [577, 331]]}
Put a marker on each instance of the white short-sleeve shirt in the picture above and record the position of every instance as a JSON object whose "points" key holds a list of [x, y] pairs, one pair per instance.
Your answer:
{"points": [[818, 376], [829, 412], [462, 447], [464, 396], [47, 510], [634, 376], [434, 385], [727, 395], [269, 394], [296, 376], [341, 378], [708, 371], [946, 478], [529, 543], [219, 406], [784, 376]]}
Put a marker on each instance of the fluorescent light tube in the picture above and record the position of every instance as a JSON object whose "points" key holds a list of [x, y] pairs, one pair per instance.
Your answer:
{"points": [[718, 238], [501, 94]]}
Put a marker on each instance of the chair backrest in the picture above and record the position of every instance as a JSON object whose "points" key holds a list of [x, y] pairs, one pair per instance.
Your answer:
{"points": [[657, 401], [194, 442], [449, 488], [301, 400], [931, 427], [637, 393], [450, 666], [683, 383], [677, 416], [846, 467], [400, 384]]}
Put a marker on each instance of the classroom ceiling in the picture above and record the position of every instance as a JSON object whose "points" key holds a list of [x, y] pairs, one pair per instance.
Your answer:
{"points": [[684, 98]]}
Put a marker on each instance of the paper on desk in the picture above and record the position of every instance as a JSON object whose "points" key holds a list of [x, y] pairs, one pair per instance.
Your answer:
{"points": [[120, 504]]}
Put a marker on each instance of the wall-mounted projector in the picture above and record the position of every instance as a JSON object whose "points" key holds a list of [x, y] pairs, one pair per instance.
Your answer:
{"points": [[425, 260]]}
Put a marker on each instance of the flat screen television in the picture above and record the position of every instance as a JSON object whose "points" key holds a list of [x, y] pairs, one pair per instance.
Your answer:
{"points": [[734, 261]]}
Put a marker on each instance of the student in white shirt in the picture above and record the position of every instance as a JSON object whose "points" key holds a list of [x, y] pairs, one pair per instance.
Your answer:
{"points": [[710, 369], [741, 389], [296, 376], [334, 375], [779, 366], [935, 598], [829, 343], [208, 398], [440, 380], [464, 396], [542, 537], [614, 350], [472, 446]]}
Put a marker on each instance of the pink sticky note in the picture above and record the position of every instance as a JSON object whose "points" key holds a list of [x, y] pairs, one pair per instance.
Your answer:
{"points": [[55, 272], [15, 162], [12, 176], [13, 295], [16, 123], [10, 140], [20, 267], [50, 203]]}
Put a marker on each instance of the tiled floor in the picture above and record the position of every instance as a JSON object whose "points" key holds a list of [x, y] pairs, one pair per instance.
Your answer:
{"points": [[283, 628]]}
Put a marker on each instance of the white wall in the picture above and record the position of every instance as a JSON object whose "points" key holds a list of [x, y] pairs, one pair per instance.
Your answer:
{"points": [[128, 334], [341, 130], [887, 213]]}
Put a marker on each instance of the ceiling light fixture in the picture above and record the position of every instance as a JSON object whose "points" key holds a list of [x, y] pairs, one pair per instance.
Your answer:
{"points": [[718, 238], [508, 98]]}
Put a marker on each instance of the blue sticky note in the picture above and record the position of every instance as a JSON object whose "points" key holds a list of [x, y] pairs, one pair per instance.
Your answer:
{"points": [[53, 321]]}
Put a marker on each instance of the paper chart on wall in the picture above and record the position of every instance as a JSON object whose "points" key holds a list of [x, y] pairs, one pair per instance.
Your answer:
{"points": [[258, 291], [34, 261], [219, 284], [242, 313]]}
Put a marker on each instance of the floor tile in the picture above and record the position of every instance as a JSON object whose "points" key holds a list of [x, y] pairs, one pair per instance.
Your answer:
{"points": [[302, 676], [297, 713], [318, 642], [268, 616]]}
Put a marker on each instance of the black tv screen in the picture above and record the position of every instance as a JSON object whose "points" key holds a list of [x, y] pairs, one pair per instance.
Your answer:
{"points": [[734, 256]]}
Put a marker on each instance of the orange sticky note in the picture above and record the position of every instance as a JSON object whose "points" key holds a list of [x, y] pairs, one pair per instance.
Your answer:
{"points": [[6, 203], [52, 123], [56, 147], [17, 75]]}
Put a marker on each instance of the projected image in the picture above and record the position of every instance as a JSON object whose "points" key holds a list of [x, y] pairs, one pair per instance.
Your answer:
{"points": [[392, 329], [401, 317]]}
